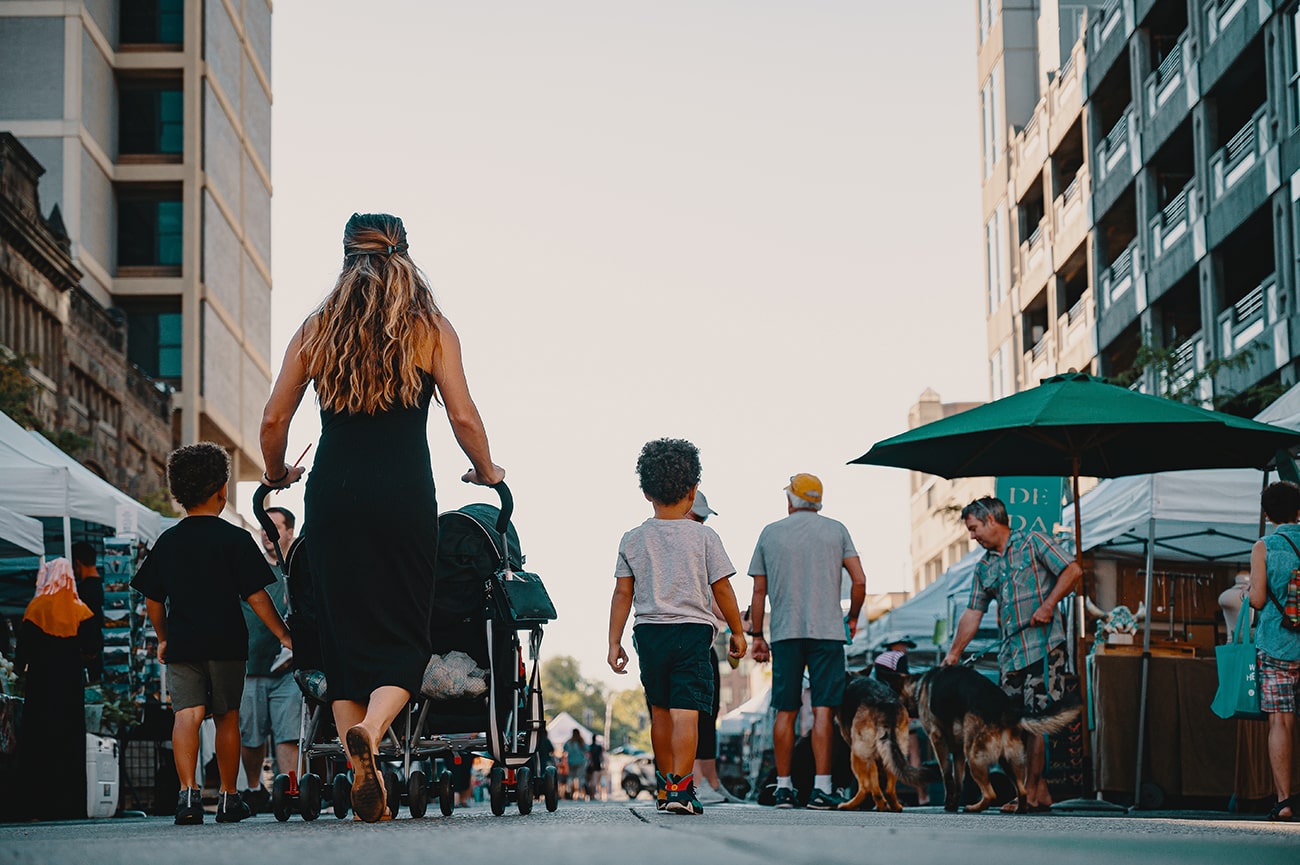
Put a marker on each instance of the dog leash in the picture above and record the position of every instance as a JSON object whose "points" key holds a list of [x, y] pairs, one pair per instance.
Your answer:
{"points": [[970, 662]]}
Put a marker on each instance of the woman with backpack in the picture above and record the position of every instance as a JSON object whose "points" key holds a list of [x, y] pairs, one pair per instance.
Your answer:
{"points": [[1274, 561]]}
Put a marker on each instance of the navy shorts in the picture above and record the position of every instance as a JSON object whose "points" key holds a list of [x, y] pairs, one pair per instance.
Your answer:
{"points": [[675, 662], [824, 660]]}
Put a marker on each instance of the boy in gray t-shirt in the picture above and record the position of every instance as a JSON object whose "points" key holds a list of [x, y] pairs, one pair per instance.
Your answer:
{"points": [[668, 568]]}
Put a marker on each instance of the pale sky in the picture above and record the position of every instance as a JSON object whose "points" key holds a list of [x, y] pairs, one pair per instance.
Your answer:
{"points": [[753, 224]]}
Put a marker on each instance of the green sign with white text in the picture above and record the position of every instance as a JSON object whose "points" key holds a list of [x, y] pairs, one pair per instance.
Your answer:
{"points": [[1033, 503]]}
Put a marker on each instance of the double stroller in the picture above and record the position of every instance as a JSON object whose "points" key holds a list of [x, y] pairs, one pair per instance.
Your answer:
{"points": [[479, 697]]}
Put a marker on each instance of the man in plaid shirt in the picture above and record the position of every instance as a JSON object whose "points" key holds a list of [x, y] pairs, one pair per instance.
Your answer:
{"points": [[1028, 575]]}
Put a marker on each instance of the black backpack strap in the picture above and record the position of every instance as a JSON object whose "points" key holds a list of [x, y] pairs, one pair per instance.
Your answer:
{"points": [[1269, 589]]}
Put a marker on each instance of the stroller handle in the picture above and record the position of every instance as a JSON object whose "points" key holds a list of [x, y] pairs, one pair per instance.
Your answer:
{"points": [[507, 506], [264, 520]]}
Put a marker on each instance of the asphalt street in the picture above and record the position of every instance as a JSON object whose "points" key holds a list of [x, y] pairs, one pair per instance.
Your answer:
{"points": [[622, 832]]}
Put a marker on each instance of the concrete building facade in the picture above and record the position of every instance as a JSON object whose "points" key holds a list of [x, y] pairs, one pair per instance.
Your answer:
{"points": [[152, 119], [1144, 193]]}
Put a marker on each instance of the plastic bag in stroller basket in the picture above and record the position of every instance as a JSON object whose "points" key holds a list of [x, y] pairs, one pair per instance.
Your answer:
{"points": [[522, 599]]}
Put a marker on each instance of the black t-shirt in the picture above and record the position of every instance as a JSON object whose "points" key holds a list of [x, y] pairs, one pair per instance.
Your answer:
{"points": [[202, 568]]}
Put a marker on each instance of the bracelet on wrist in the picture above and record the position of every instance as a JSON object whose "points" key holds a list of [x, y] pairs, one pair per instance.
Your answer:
{"points": [[758, 634], [272, 481]]}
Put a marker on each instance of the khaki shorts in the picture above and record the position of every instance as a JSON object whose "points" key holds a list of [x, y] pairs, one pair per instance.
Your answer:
{"points": [[216, 685]]}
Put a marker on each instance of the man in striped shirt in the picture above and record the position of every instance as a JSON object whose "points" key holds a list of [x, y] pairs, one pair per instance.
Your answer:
{"points": [[1028, 575]]}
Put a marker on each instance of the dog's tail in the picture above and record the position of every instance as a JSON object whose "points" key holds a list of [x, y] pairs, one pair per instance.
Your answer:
{"points": [[895, 759], [1054, 720]]}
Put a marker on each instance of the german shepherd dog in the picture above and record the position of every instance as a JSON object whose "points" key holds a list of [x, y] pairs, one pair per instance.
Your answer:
{"points": [[972, 723], [873, 719]]}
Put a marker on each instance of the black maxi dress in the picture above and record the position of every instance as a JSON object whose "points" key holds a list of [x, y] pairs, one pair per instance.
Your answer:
{"points": [[52, 742], [372, 540]]}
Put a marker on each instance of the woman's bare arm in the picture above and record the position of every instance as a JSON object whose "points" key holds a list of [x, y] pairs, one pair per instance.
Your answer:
{"points": [[466, 423], [285, 398]]}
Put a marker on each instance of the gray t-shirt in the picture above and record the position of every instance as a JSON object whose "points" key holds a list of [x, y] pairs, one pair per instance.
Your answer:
{"points": [[802, 557], [672, 564]]}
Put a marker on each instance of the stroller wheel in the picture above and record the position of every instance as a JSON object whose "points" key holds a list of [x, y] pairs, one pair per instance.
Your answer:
{"points": [[342, 795], [524, 789], [446, 795], [393, 788], [309, 796], [281, 805], [497, 790], [417, 794], [551, 784]]}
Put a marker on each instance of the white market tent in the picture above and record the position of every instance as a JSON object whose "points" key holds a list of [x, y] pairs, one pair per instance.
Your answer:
{"points": [[20, 535], [42, 481], [561, 728]]}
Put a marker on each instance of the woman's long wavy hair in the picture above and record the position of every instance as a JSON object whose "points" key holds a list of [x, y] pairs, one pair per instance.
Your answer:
{"points": [[360, 345]]}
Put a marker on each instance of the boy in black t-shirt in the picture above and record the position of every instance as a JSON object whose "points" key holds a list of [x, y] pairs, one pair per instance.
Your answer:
{"points": [[193, 581]]}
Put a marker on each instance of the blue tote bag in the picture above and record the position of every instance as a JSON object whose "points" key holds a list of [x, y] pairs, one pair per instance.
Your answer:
{"points": [[1238, 694]]}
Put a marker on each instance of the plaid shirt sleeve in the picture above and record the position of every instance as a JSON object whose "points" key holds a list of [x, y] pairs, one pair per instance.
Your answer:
{"points": [[980, 597], [1047, 552]]}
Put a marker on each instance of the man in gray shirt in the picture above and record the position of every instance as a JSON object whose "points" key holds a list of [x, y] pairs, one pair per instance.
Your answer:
{"points": [[798, 560]]}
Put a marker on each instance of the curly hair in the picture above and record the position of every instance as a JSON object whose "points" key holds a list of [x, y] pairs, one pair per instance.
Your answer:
{"points": [[195, 472], [360, 350], [668, 468], [1280, 502]]}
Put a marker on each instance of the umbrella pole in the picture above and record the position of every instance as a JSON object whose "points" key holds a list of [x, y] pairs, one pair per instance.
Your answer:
{"points": [[1146, 664]]}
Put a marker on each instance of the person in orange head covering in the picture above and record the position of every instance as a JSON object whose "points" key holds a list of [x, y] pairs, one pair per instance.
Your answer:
{"points": [[52, 740]]}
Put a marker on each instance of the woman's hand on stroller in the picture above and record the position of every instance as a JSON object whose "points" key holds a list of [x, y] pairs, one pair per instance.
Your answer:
{"points": [[486, 479], [618, 659], [287, 476]]}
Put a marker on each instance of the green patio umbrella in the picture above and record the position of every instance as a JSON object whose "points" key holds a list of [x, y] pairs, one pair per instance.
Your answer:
{"points": [[1076, 424]]}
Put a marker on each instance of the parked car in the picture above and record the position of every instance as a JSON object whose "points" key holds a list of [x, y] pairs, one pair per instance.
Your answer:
{"points": [[638, 775]]}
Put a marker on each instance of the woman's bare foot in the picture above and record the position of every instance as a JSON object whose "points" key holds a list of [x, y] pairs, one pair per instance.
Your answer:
{"points": [[368, 799]]}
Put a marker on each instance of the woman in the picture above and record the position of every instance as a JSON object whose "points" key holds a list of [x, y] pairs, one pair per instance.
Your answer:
{"points": [[576, 750], [1272, 560], [378, 351], [53, 636]]}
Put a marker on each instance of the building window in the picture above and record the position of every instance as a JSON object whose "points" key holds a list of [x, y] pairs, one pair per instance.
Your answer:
{"points": [[153, 338], [991, 115], [1000, 372], [986, 19], [1293, 67], [151, 117], [152, 22], [149, 230], [997, 275]]}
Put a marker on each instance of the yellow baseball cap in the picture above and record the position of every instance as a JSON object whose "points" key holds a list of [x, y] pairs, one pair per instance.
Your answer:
{"points": [[807, 487]]}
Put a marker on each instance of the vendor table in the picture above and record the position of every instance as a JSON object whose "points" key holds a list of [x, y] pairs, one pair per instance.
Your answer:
{"points": [[1190, 751]]}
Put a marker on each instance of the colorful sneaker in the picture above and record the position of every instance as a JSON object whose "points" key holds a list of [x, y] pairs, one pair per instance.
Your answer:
{"points": [[820, 800], [661, 791], [681, 795], [231, 808], [784, 798], [189, 808]]}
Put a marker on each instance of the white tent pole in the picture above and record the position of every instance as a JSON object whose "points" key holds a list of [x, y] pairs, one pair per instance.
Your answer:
{"points": [[1146, 656], [67, 535]]}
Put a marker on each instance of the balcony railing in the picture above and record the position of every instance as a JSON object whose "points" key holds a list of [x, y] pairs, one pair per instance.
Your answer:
{"points": [[1187, 363], [1231, 162], [1165, 81], [154, 395], [1040, 361], [1033, 252], [1030, 144], [1118, 278], [1243, 322], [90, 315], [1219, 14], [1114, 146], [1076, 324], [1105, 23], [1172, 222]]}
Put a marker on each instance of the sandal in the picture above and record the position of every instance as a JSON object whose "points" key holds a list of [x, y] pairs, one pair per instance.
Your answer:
{"points": [[368, 799], [1290, 803]]}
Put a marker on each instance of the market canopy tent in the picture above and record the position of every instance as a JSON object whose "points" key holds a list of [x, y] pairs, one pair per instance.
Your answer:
{"points": [[916, 619], [42, 481], [20, 535]]}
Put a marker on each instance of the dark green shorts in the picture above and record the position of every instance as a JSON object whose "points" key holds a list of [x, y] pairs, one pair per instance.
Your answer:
{"points": [[676, 664], [218, 685], [824, 660]]}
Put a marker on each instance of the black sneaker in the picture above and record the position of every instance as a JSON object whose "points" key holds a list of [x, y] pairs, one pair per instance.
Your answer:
{"points": [[681, 796], [231, 808], [784, 798], [823, 801], [189, 808], [258, 800]]}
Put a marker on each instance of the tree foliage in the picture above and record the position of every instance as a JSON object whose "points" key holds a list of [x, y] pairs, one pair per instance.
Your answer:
{"points": [[565, 689]]}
